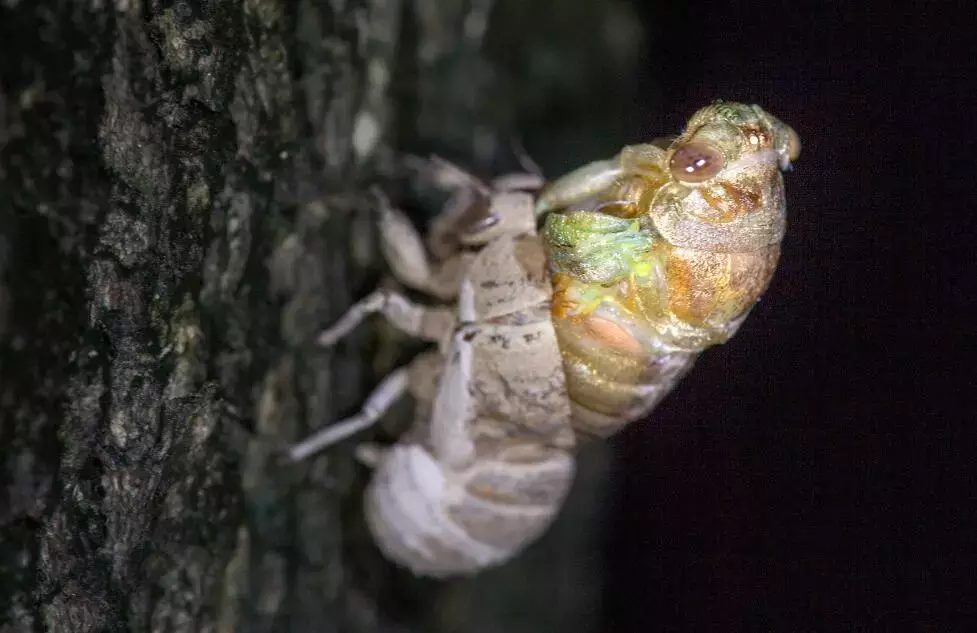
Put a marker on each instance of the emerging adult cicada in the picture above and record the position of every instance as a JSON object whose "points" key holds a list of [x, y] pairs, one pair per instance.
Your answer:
{"points": [[661, 253], [558, 335]]}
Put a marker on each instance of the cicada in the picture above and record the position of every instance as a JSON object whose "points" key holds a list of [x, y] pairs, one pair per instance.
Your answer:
{"points": [[549, 336]]}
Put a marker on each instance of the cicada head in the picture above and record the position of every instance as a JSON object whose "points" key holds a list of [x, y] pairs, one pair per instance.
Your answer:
{"points": [[724, 189]]}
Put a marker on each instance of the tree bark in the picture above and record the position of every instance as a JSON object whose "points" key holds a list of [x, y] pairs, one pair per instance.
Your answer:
{"points": [[183, 205]]}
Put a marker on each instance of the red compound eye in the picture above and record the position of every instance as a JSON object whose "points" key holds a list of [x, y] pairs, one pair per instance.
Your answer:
{"points": [[696, 162]]}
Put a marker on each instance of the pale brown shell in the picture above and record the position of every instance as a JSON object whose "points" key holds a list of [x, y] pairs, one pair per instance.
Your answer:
{"points": [[490, 460]]}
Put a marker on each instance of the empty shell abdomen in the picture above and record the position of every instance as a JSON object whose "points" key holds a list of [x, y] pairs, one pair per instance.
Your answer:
{"points": [[405, 514], [440, 523]]}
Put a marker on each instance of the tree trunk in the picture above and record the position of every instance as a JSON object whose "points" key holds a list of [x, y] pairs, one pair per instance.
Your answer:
{"points": [[183, 205]]}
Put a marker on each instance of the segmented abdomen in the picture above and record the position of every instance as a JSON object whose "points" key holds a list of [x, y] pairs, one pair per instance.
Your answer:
{"points": [[438, 521], [625, 355], [492, 462], [610, 388]]}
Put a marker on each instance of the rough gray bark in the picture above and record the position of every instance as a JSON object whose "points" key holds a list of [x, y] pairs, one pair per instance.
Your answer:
{"points": [[182, 205]]}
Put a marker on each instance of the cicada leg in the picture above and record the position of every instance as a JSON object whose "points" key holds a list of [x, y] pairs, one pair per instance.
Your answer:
{"points": [[579, 185], [442, 234], [404, 250], [525, 160], [413, 319], [446, 175], [421, 377], [449, 176], [389, 391], [597, 179], [518, 182], [467, 190]]}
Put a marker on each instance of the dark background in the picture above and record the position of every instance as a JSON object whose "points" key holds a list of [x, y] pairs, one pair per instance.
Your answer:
{"points": [[814, 474], [817, 472]]}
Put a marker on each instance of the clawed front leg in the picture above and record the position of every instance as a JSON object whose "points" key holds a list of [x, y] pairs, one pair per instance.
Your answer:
{"points": [[404, 250], [415, 320], [467, 191]]}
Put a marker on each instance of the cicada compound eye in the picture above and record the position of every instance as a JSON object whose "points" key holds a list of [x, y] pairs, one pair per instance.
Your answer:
{"points": [[474, 224], [482, 224], [696, 162], [477, 217]]}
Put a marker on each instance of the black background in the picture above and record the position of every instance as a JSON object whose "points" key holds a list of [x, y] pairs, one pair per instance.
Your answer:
{"points": [[817, 472]]}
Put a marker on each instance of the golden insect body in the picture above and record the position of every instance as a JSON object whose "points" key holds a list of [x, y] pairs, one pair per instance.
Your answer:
{"points": [[660, 253], [644, 261]]}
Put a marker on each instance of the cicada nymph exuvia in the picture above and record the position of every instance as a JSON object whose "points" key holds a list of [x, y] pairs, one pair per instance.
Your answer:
{"points": [[548, 337]]}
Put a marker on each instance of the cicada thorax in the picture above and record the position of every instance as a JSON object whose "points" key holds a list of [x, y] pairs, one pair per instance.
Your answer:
{"points": [[666, 260]]}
